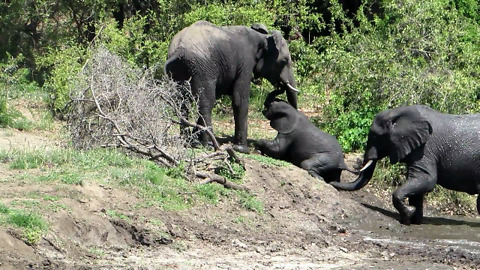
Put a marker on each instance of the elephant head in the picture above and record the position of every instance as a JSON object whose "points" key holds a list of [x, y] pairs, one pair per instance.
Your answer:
{"points": [[395, 133], [275, 64], [283, 117]]}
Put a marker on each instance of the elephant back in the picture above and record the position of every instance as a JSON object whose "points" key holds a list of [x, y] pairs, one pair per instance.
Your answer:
{"points": [[310, 140], [197, 40]]}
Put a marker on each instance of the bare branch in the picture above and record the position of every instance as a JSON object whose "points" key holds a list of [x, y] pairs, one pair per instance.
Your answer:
{"points": [[220, 180], [115, 105]]}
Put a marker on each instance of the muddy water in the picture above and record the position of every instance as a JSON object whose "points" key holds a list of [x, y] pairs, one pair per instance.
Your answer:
{"points": [[452, 230], [447, 238]]}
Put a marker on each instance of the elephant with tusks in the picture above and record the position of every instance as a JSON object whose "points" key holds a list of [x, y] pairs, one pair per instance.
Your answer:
{"points": [[224, 60], [437, 148]]}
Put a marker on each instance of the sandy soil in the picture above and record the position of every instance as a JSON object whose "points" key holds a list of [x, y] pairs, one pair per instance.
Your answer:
{"points": [[307, 224]]}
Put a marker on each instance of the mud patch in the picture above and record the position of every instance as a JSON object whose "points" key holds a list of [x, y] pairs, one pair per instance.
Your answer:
{"points": [[138, 236]]}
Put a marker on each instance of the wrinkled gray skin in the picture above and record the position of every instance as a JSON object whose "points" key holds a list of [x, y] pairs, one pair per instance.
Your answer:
{"points": [[300, 142], [437, 148], [223, 61]]}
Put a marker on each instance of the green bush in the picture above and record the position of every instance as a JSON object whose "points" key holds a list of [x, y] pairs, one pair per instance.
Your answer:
{"points": [[65, 64], [417, 53]]}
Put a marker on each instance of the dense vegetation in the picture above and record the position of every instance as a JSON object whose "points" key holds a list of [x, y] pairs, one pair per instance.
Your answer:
{"points": [[352, 58]]}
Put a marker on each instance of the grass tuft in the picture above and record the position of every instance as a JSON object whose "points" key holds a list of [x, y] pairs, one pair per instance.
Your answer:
{"points": [[32, 225], [250, 202], [158, 186], [269, 160]]}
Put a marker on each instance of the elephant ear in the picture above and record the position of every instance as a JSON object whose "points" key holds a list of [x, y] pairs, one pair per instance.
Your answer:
{"points": [[283, 117], [278, 39], [260, 28], [408, 132], [268, 53]]}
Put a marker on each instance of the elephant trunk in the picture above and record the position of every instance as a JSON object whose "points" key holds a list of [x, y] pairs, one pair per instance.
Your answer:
{"points": [[365, 176]]}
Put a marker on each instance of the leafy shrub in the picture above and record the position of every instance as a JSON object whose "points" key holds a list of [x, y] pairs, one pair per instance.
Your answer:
{"points": [[239, 13], [418, 53], [65, 64]]}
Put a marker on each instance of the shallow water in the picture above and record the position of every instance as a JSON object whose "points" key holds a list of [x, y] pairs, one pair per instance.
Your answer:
{"points": [[452, 232]]}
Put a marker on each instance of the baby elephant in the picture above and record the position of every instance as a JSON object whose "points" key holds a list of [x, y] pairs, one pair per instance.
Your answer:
{"points": [[300, 142]]}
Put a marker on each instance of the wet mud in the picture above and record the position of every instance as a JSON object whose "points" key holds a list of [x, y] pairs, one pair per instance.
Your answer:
{"points": [[440, 242]]}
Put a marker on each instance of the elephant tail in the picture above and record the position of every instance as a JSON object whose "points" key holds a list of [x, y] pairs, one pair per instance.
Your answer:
{"points": [[177, 68], [362, 180], [168, 68]]}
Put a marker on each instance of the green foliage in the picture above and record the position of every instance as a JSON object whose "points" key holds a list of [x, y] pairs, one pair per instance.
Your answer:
{"points": [[452, 202], [211, 192], [14, 78], [250, 202], [65, 64], [117, 215], [468, 8], [10, 117], [15, 81], [389, 176], [7, 115], [234, 175], [231, 13], [269, 161], [417, 53], [32, 225]]}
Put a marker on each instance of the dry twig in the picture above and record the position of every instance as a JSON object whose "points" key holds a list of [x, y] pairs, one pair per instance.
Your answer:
{"points": [[115, 105]]}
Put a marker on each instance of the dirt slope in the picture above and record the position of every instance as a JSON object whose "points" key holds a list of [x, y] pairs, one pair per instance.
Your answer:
{"points": [[306, 224]]}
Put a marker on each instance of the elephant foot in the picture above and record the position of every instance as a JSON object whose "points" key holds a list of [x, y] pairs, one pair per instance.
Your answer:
{"points": [[406, 216], [241, 148], [417, 220]]}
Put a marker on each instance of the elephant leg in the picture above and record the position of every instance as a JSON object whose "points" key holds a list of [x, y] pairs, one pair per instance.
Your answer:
{"points": [[272, 149], [413, 188], [206, 102], [315, 174], [205, 120], [318, 166], [417, 202], [478, 204], [240, 98]]}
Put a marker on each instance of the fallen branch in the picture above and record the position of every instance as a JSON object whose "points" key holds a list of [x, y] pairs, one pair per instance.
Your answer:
{"points": [[117, 106], [209, 178]]}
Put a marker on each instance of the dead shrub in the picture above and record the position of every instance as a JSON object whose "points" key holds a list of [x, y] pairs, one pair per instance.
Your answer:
{"points": [[115, 105]]}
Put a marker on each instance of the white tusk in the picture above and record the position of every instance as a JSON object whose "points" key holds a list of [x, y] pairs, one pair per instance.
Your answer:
{"points": [[366, 165], [292, 88]]}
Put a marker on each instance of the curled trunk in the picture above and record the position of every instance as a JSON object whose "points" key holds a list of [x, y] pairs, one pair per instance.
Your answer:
{"points": [[363, 179]]}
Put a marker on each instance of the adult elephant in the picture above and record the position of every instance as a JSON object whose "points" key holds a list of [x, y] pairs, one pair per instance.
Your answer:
{"points": [[437, 148], [300, 142], [223, 61]]}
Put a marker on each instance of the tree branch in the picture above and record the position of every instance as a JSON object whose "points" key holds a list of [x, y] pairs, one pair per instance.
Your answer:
{"points": [[220, 180]]}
